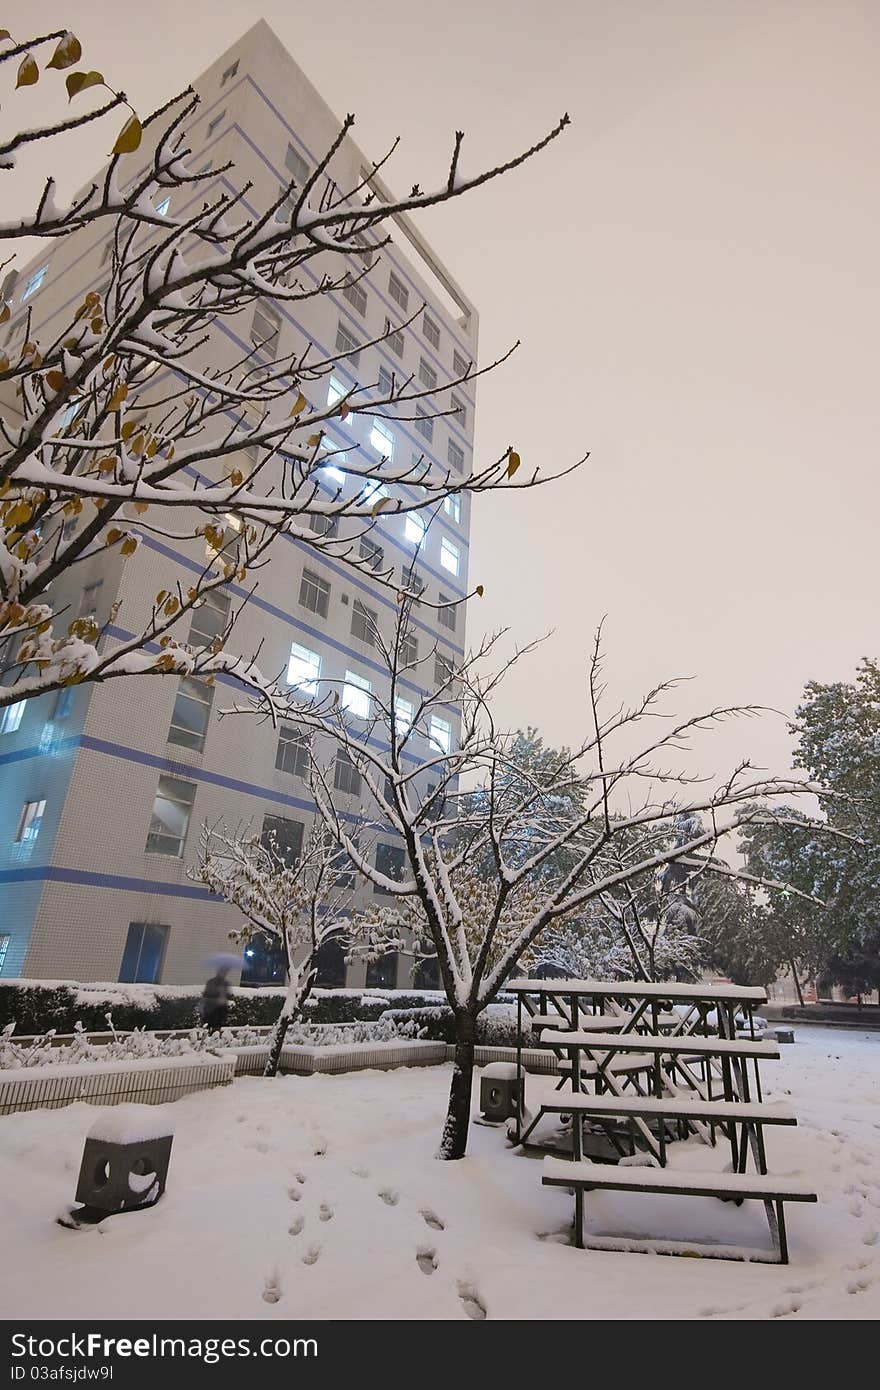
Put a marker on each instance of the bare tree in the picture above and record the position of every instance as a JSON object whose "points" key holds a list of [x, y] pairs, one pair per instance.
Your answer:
{"points": [[113, 428], [299, 906], [484, 875]]}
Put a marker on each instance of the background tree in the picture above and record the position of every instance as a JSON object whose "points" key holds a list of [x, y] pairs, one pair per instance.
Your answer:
{"points": [[112, 427], [298, 906]]}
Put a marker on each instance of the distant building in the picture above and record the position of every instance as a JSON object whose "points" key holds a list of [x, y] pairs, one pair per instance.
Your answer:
{"points": [[103, 789]]}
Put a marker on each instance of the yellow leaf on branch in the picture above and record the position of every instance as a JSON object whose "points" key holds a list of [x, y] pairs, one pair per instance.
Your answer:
{"points": [[129, 137], [68, 52], [28, 73], [118, 396], [299, 405], [513, 462]]}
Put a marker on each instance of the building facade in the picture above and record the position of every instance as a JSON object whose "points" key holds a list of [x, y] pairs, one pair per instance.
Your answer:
{"points": [[104, 789]]}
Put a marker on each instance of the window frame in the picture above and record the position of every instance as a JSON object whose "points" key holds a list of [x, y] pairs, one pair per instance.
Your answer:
{"points": [[449, 549], [309, 683]]}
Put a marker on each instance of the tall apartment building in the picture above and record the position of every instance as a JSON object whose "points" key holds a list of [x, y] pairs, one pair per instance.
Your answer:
{"points": [[103, 789]]}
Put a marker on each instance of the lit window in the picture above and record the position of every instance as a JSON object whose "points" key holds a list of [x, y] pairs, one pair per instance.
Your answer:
{"points": [[440, 733], [11, 717], [63, 703], [331, 471], [382, 439], [398, 291], [414, 530], [192, 711], [356, 695], [431, 331], [452, 507], [335, 390], [169, 822], [403, 713], [4, 947], [450, 556], [34, 283], [162, 208], [303, 669], [373, 490], [69, 413], [294, 161], [30, 821]]}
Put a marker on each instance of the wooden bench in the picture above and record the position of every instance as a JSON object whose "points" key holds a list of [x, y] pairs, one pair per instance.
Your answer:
{"points": [[584, 1177], [670, 1046], [674, 1108]]}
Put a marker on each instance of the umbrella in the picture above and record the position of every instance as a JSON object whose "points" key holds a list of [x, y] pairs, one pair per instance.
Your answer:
{"points": [[224, 960]]}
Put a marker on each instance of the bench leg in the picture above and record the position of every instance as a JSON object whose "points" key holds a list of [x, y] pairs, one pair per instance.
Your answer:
{"points": [[579, 1217], [780, 1226]]}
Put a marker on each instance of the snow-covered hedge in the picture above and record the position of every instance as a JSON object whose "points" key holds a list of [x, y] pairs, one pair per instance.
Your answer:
{"points": [[139, 1045], [36, 1006], [496, 1025]]}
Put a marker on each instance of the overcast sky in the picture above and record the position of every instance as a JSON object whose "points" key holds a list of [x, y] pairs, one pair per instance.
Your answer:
{"points": [[692, 270]]}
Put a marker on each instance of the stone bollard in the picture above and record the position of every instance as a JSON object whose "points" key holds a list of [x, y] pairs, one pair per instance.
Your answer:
{"points": [[124, 1164], [500, 1092]]}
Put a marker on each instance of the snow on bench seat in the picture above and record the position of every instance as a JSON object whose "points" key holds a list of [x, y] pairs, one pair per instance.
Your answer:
{"points": [[595, 1024], [624, 1061], [641, 989], [694, 1183], [673, 1108], [693, 1046]]}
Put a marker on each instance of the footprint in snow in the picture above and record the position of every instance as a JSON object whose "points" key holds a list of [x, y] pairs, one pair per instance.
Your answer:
{"points": [[311, 1255], [296, 1226], [325, 1213], [359, 1172], [784, 1310], [294, 1194], [471, 1302], [426, 1260], [430, 1218], [272, 1287], [871, 1237], [389, 1196], [300, 1177]]}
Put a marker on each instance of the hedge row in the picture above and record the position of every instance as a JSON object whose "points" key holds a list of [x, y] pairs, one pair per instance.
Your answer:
{"points": [[36, 1007]]}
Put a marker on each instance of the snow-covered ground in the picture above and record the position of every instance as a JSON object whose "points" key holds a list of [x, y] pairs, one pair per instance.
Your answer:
{"points": [[320, 1197]]}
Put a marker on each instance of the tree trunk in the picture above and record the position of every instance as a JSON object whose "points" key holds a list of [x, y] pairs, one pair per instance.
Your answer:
{"points": [[797, 983], [276, 1043], [458, 1115]]}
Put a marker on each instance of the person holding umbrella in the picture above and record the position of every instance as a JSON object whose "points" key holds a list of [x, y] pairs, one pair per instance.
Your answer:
{"points": [[216, 994]]}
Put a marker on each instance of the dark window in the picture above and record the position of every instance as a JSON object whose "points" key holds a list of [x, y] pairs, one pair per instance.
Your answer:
{"points": [[455, 455], [292, 754], [343, 870], [191, 714], [443, 670], [389, 861], [210, 618], [427, 375], [213, 124], [458, 405], [394, 338], [382, 973], [323, 525], [431, 330], [411, 580], [446, 616], [424, 423], [229, 73], [398, 291], [330, 965], [356, 295], [373, 554], [363, 622], [314, 593], [63, 703], [346, 777], [265, 326], [460, 364], [347, 344], [385, 382], [409, 649], [265, 961], [88, 604], [284, 837], [143, 954], [427, 975], [298, 167]]}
